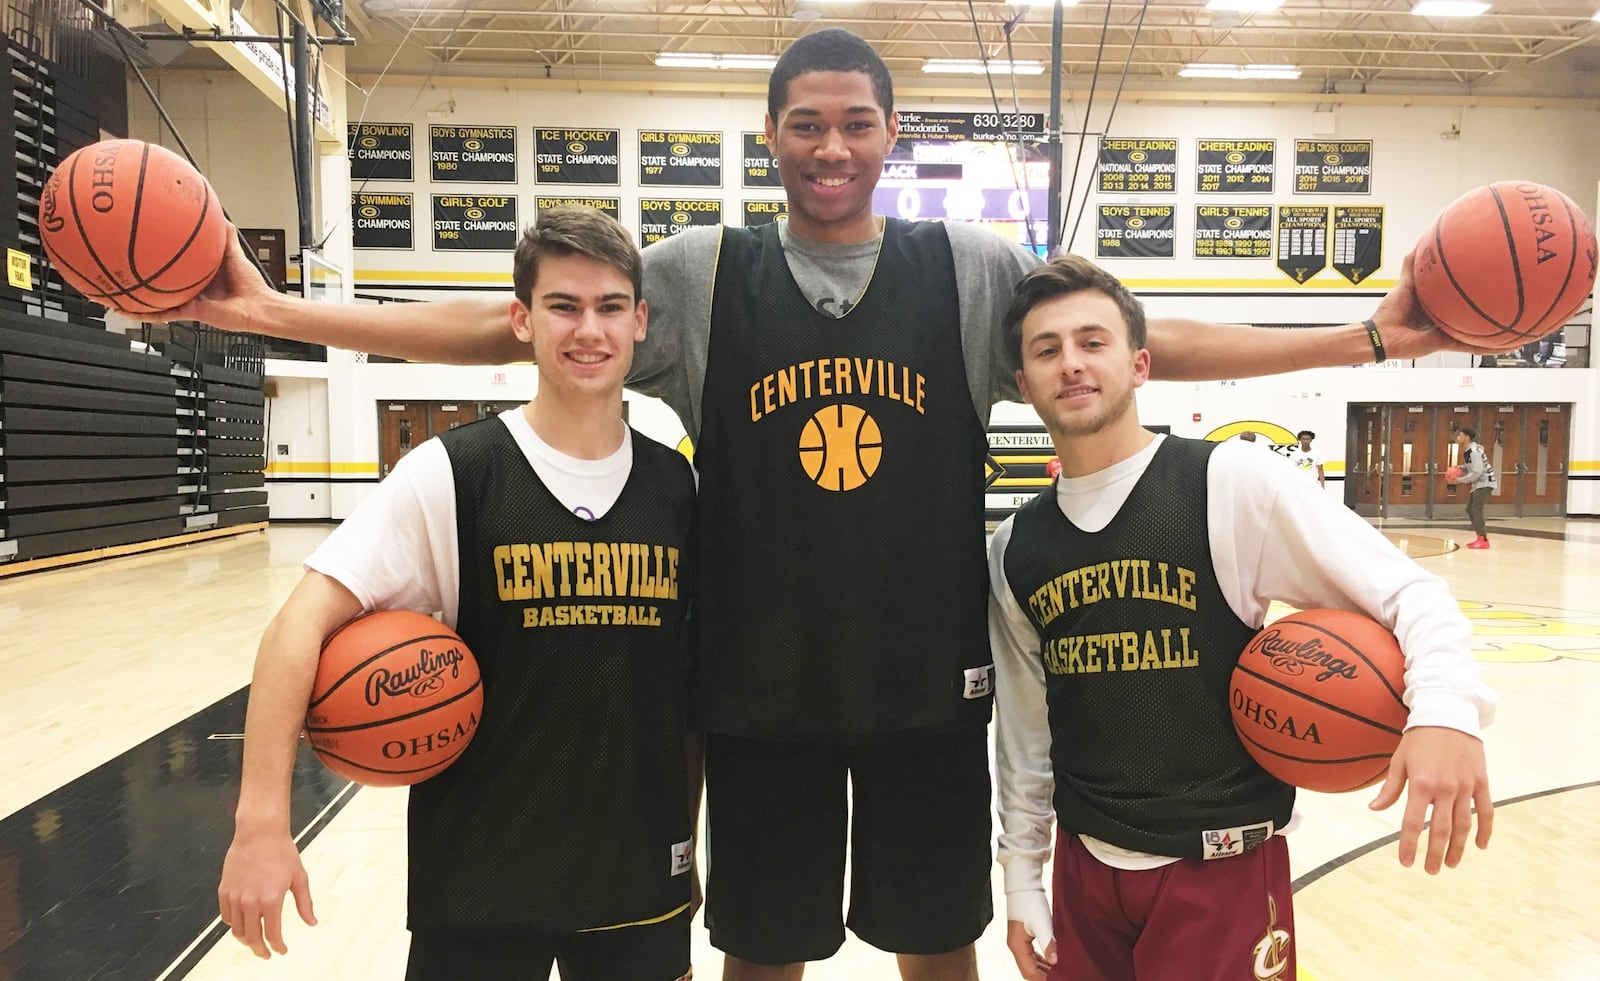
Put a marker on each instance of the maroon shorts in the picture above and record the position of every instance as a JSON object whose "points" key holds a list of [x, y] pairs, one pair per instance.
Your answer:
{"points": [[1228, 919]]}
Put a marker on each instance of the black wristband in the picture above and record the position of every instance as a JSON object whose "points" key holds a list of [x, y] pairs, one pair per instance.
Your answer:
{"points": [[1378, 353]]}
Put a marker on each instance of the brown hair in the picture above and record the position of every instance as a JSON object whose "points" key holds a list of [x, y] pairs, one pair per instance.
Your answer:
{"points": [[1069, 274], [579, 230]]}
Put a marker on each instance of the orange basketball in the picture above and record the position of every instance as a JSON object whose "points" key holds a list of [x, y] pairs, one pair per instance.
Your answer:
{"points": [[132, 226], [397, 698], [1506, 264], [840, 447], [1316, 697]]}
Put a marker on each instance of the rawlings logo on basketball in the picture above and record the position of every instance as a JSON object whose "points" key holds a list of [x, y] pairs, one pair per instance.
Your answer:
{"points": [[53, 222], [417, 680], [1292, 658]]}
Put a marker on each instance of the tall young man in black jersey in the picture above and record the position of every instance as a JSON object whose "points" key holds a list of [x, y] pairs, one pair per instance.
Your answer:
{"points": [[563, 833], [837, 410]]}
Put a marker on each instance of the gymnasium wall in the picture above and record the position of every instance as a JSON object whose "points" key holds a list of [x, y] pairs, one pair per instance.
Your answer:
{"points": [[1423, 157]]}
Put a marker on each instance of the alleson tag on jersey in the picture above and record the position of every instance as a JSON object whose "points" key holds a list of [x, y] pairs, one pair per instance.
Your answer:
{"points": [[978, 682], [682, 856], [1228, 842]]}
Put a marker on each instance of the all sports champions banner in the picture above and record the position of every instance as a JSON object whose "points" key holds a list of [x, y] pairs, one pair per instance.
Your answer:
{"points": [[680, 159], [476, 154], [1302, 240], [611, 206], [474, 223], [661, 217], [379, 151], [1332, 167], [380, 220], [764, 212], [578, 156], [1357, 241], [1235, 166], [760, 170], [1138, 166], [1136, 231], [1226, 231]]}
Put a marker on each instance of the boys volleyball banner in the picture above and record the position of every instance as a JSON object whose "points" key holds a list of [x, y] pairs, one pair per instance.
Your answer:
{"points": [[1138, 166], [578, 156], [611, 206], [475, 154], [1235, 166], [1332, 167]]}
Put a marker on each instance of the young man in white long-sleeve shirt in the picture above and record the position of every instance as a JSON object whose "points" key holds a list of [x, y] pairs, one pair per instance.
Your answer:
{"points": [[1131, 750]]}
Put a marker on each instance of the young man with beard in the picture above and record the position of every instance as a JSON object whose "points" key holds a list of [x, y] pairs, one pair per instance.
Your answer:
{"points": [[851, 368], [1136, 765], [563, 833]]}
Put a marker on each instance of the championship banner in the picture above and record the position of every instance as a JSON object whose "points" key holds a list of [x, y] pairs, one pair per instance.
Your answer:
{"points": [[1136, 231], [379, 151], [760, 170], [680, 159], [380, 220], [611, 206], [1224, 231], [1235, 166], [1357, 241], [1302, 240], [474, 223], [661, 217], [1137, 166], [578, 156], [764, 212], [1332, 167], [479, 154]]}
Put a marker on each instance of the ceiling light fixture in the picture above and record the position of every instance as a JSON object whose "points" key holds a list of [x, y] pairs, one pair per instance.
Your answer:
{"points": [[1448, 8], [973, 66], [1244, 6], [728, 62], [1241, 72]]}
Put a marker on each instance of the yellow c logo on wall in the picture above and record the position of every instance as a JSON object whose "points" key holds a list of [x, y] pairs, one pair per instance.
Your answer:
{"points": [[1274, 433]]}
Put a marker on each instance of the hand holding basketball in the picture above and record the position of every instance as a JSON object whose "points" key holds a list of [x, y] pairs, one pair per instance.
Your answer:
{"points": [[1447, 774], [1454, 474], [235, 297]]}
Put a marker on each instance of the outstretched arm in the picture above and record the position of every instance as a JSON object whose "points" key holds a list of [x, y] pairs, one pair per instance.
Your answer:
{"points": [[1188, 350], [475, 331]]}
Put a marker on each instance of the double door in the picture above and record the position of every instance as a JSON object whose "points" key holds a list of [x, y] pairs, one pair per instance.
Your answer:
{"points": [[1400, 453], [403, 426]]}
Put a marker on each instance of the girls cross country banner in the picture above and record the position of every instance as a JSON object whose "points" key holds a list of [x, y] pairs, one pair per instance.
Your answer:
{"points": [[1333, 166]]}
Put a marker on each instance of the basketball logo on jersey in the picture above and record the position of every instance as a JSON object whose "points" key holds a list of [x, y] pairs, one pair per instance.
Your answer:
{"points": [[840, 447], [1272, 950]]}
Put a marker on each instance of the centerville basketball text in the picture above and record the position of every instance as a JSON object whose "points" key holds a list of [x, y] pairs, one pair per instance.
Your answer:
{"points": [[559, 570], [828, 377]]}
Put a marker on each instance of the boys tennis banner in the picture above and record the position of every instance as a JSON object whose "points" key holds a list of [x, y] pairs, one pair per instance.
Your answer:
{"points": [[1133, 231]]}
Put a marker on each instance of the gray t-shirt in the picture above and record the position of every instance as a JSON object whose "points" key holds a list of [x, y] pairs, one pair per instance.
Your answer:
{"points": [[678, 276]]}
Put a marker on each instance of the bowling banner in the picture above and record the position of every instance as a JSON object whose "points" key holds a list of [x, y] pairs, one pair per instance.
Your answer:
{"points": [[1302, 240], [578, 156], [1136, 231], [380, 221], [1357, 241], [474, 223], [1224, 231], [1138, 166], [379, 151], [661, 217], [1235, 166], [680, 159], [473, 154], [760, 170], [1332, 167]]}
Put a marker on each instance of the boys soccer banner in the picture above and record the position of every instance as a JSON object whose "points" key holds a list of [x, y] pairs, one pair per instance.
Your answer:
{"points": [[1357, 241], [476, 154], [1235, 166], [1302, 240], [661, 217], [1332, 167], [1138, 166], [379, 151], [1233, 231], [578, 156], [1133, 231], [681, 159]]}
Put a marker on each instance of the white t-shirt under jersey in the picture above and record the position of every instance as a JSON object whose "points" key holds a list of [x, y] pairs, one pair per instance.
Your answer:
{"points": [[398, 550]]}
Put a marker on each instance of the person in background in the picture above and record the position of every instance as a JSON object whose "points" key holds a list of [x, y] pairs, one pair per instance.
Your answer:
{"points": [[1479, 476], [1307, 460]]}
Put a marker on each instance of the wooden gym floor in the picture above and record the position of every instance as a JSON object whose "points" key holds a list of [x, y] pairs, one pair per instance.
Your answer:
{"points": [[123, 698]]}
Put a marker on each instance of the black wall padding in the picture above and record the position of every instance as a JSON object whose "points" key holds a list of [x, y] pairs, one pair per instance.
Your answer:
{"points": [[221, 392], [241, 516], [61, 543], [235, 499], [57, 445], [14, 393], [230, 481], [24, 419], [38, 471], [246, 430], [26, 523], [34, 496], [233, 411], [14, 366]]}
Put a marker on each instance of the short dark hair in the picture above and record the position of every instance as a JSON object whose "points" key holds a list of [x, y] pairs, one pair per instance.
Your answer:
{"points": [[832, 50], [1069, 274], [1472, 434], [1305, 434], [569, 230]]}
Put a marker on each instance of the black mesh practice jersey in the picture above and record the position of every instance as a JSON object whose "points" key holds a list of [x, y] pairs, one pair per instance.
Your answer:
{"points": [[569, 810], [839, 537], [1139, 645]]}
